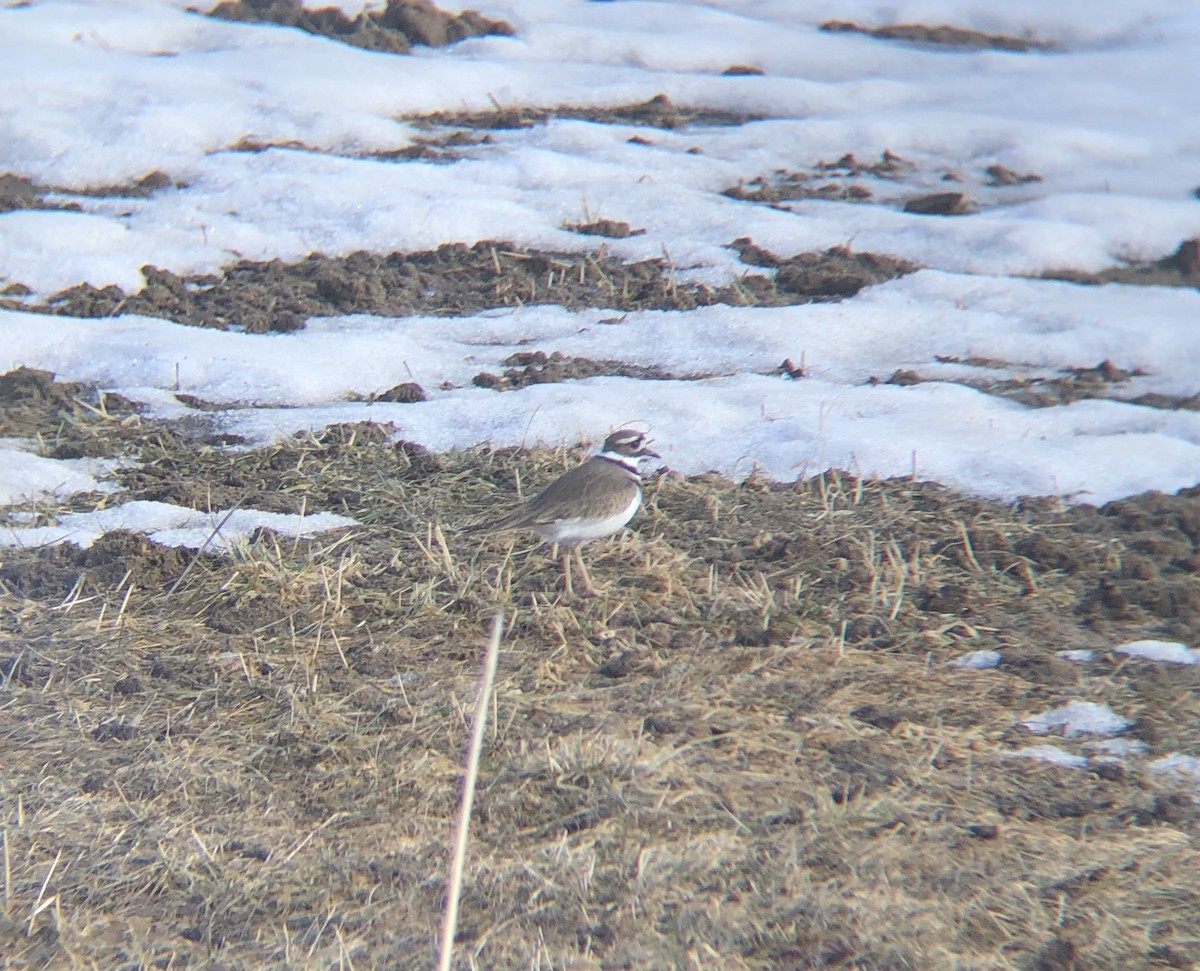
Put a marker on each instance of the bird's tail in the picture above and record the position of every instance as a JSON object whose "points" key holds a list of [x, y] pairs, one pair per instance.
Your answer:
{"points": [[505, 523], [473, 529]]}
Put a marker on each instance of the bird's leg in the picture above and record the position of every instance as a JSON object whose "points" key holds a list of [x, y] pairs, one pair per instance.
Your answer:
{"points": [[588, 590], [566, 568]]}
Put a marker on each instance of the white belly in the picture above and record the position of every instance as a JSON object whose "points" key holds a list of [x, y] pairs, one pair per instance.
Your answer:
{"points": [[581, 530]]}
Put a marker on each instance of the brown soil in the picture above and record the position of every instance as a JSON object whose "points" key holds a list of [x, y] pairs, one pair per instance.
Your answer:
{"points": [[441, 147], [453, 133], [538, 367], [457, 279], [33, 403], [849, 180], [841, 179], [950, 38], [659, 112], [1180, 269], [1104, 380], [611, 228], [1001, 175], [394, 29], [742, 70], [752, 746], [939, 204], [836, 274], [18, 192], [406, 394]]}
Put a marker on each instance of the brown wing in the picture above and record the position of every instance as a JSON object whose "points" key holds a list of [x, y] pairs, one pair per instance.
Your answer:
{"points": [[602, 488]]}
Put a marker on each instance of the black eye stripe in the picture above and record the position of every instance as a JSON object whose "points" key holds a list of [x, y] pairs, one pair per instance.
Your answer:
{"points": [[630, 440]]}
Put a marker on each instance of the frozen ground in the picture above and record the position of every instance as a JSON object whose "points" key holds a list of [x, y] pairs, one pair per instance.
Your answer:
{"points": [[842, 723]]}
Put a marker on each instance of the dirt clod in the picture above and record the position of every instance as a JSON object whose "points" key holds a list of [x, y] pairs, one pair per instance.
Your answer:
{"points": [[394, 29], [612, 228], [1002, 175], [407, 393], [939, 204]]}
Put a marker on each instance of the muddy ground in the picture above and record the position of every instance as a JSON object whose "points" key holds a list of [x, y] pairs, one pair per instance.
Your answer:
{"points": [[755, 750]]}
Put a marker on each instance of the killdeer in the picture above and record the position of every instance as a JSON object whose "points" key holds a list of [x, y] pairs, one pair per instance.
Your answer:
{"points": [[590, 501]]}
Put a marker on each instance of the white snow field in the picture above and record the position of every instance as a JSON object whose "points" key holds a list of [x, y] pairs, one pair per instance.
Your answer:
{"points": [[101, 93]]}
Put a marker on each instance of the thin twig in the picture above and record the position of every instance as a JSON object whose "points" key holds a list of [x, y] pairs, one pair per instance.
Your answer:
{"points": [[478, 721], [211, 536]]}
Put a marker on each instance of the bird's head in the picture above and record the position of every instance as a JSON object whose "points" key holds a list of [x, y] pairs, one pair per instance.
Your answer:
{"points": [[629, 443]]}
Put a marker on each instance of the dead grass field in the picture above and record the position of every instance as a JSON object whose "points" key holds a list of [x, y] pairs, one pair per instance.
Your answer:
{"points": [[752, 752]]}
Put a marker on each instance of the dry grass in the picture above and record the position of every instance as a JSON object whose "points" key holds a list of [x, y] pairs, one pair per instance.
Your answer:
{"points": [[751, 753]]}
